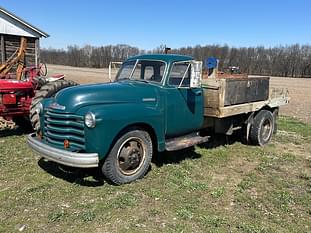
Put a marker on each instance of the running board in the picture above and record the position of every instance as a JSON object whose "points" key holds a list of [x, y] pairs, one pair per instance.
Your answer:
{"points": [[185, 141]]}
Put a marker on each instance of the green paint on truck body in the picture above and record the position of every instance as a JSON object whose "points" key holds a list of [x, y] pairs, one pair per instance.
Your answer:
{"points": [[164, 110]]}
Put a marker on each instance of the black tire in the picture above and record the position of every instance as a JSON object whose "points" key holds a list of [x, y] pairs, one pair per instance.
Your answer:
{"points": [[126, 161], [46, 91], [262, 128], [38, 82]]}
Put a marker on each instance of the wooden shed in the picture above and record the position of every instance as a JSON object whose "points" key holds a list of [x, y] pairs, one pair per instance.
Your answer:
{"points": [[12, 30]]}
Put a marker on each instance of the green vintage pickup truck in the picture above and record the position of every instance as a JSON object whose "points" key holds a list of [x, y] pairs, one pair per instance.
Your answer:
{"points": [[156, 103]]}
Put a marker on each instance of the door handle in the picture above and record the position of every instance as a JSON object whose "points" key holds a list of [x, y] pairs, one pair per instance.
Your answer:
{"points": [[197, 92]]}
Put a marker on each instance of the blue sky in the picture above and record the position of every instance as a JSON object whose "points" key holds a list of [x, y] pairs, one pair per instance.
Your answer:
{"points": [[147, 24]]}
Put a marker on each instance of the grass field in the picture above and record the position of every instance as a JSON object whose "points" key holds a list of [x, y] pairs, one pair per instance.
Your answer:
{"points": [[223, 187]]}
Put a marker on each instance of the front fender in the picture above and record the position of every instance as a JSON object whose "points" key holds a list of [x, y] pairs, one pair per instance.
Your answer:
{"points": [[111, 119]]}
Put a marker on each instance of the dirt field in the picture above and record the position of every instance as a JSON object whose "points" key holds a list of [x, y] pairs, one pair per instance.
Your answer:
{"points": [[299, 89], [80, 75], [300, 94]]}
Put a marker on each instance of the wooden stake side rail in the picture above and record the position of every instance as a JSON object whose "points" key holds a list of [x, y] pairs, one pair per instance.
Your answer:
{"points": [[215, 94]]}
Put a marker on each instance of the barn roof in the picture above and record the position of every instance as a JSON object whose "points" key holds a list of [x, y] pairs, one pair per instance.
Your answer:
{"points": [[14, 25]]}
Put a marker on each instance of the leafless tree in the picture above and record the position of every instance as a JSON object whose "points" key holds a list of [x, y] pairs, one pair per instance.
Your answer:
{"points": [[293, 60]]}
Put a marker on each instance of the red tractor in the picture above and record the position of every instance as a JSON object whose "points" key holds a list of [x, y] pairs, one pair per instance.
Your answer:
{"points": [[20, 94]]}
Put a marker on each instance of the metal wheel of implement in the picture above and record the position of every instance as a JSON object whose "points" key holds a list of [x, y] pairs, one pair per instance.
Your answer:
{"points": [[43, 69], [6, 125]]}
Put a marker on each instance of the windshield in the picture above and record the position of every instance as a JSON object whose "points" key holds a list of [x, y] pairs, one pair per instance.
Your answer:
{"points": [[142, 70]]}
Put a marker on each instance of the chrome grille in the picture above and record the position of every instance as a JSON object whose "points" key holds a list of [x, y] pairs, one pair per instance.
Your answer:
{"points": [[60, 126]]}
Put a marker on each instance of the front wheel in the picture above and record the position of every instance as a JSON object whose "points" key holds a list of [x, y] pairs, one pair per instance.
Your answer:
{"points": [[129, 158]]}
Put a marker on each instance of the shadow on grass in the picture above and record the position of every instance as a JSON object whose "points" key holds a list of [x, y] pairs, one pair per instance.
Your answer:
{"points": [[175, 157], [90, 177], [18, 131]]}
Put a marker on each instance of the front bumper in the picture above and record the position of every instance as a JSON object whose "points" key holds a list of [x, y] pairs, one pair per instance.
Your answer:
{"points": [[68, 158]]}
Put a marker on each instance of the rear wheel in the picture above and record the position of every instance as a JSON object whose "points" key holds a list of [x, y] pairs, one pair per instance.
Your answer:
{"points": [[46, 91], [130, 157], [38, 82], [262, 128]]}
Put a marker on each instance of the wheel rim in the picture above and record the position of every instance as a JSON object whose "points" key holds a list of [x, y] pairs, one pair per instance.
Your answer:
{"points": [[266, 129], [131, 156], [43, 69]]}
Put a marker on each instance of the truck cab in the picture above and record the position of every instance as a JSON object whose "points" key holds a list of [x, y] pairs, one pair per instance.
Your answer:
{"points": [[155, 103]]}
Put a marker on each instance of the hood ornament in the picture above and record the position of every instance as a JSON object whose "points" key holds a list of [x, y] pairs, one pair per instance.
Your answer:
{"points": [[57, 106]]}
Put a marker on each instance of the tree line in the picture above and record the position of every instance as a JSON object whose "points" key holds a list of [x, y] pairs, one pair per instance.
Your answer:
{"points": [[290, 61]]}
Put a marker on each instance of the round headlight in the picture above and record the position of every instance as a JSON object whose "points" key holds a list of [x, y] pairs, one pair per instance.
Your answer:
{"points": [[89, 120], [39, 108]]}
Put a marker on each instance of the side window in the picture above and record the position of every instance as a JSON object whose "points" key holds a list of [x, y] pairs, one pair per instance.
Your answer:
{"points": [[149, 72], [180, 75]]}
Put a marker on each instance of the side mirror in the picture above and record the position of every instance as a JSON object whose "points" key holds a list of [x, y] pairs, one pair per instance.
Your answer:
{"points": [[196, 74]]}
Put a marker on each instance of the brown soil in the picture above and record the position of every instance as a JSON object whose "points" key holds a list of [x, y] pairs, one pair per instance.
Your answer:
{"points": [[300, 94], [80, 75], [299, 88]]}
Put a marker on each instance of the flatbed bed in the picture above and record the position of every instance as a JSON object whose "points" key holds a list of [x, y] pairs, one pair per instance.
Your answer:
{"points": [[250, 95]]}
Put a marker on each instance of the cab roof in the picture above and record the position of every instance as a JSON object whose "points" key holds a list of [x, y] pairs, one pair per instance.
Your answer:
{"points": [[162, 57]]}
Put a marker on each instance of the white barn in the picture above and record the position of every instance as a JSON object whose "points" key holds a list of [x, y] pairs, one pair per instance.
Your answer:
{"points": [[12, 28]]}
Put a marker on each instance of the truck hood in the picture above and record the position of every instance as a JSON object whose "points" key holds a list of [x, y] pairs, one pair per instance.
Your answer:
{"points": [[128, 91]]}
